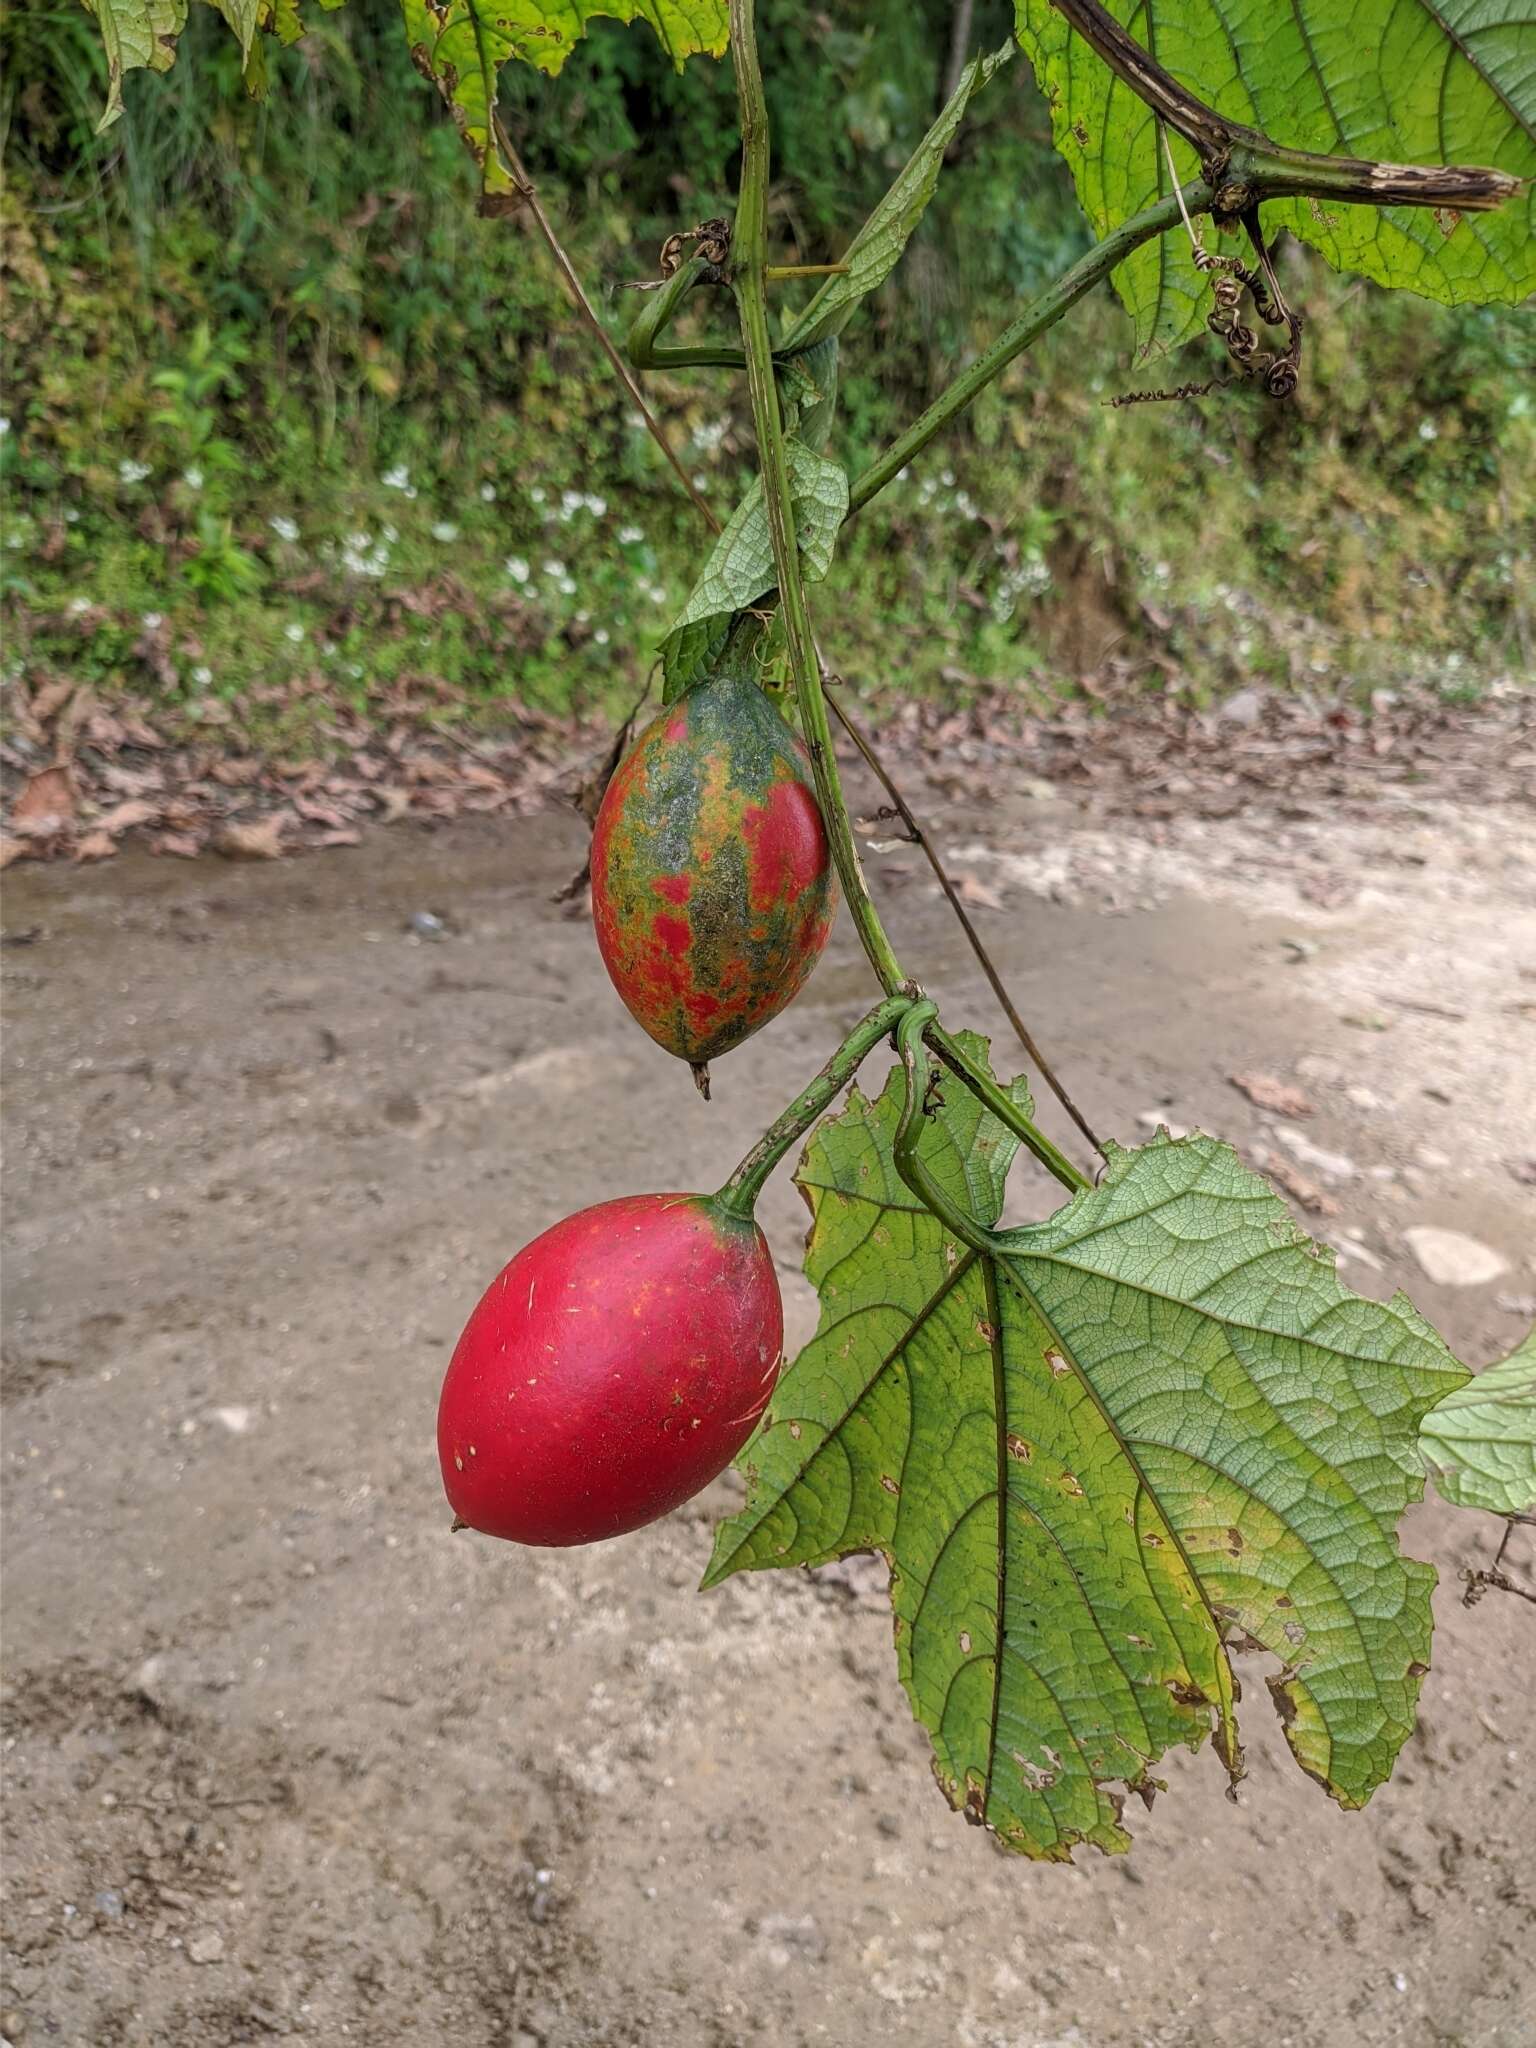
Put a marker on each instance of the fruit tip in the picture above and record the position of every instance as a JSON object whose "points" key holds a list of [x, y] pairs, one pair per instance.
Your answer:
{"points": [[700, 1072]]}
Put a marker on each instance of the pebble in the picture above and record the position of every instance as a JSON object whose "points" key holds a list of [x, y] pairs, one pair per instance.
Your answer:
{"points": [[236, 1420], [1431, 1157], [796, 1933], [1331, 1165], [1364, 1098], [1352, 1248], [205, 1947], [1242, 708], [1449, 1259], [109, 1904]]}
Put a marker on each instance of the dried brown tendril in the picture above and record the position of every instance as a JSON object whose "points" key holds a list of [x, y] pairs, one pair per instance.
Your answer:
{"points": [[711, 239], [1278, 370]]}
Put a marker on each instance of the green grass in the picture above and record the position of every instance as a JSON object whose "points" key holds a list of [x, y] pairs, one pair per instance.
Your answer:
{"points": [[270, 382]]}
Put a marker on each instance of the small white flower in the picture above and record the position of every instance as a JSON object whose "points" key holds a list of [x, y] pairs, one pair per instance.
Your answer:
{"points": [[5, 427], [153, 620], [202, 675], [582, 618], [72, 516], [294, 632], [656, 594], [445, 530], [947, 479], [536, 495], [517, 569], [488, 493], [389, 535], [287, 529], [355, 671], [597, 506], [192, 478], [600, 637], [1428, 431], [132, 472], [570, 501], [397, 479], [701, 482], [630, 536], [566, 587], [77, 605], [552, 568]]}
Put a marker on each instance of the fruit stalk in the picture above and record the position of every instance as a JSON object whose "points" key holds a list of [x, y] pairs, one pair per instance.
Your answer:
{"points": [[741, 1191], [749, 243]]}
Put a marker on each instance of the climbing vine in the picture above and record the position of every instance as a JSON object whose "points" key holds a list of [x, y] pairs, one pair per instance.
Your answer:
{"points": [[1108, 1453]]}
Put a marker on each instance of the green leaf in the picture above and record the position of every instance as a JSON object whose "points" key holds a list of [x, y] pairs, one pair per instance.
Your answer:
{"points": [[1402, 81], [241, 18], [137, 35], [1479, 1443], [740, 567], [876, 249], [1146, 1433], [462, 45]]}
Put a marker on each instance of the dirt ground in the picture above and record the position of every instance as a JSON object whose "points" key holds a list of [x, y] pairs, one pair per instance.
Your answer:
{"points": [[287, 1760]]}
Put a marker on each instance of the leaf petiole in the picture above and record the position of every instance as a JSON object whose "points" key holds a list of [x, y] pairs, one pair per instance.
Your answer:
{"points": [[1007, 1112], [740, 1193]]}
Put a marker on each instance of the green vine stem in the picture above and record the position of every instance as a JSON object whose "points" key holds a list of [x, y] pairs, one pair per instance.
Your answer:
{"points": [[921, 839], [661, 308], [749, 243], [1020, 334], [740, 1193], [1005, 1109]]}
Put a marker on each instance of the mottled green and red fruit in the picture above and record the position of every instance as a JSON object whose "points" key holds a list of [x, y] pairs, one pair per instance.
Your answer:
{"points": [[611, 1370], [712, 883]]}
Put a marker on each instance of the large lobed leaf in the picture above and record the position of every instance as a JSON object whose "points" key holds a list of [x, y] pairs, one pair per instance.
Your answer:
{"points": [[1148, 1432], [1402, 81], [1479, 1443], [461, 45]]}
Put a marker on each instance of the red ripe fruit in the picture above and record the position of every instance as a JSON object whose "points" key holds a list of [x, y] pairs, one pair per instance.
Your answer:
{"points": [[712, 883], [611, 1370]]}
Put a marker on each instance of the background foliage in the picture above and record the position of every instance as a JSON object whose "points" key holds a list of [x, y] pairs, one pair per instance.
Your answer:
{"points": [[268, 377]]}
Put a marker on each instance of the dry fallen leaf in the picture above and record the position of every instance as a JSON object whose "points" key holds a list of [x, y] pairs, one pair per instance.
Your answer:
{"points": [[51, 697], [97, 845], [251, 838], [1284, 1098], [183, 845], [12, 849], [46, 805], [122, 817], [393, 802], [1304, 1192], [970, 890]]}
